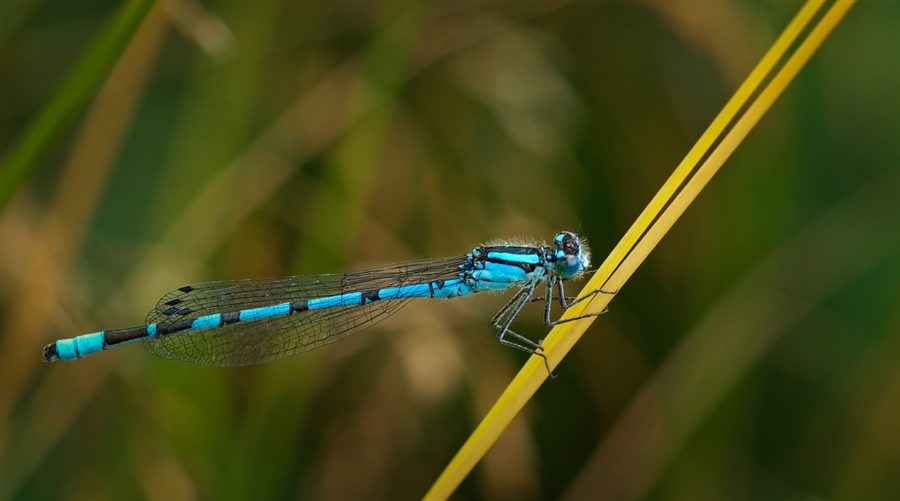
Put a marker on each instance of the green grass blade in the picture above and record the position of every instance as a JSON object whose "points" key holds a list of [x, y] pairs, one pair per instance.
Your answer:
{"points": [[72, 95]]}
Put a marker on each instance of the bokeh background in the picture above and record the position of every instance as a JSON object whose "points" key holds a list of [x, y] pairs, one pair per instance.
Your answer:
{"points": [[755, 355]]}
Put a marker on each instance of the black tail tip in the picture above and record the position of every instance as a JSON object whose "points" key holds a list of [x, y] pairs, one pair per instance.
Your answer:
{"points": [[50, 353]]}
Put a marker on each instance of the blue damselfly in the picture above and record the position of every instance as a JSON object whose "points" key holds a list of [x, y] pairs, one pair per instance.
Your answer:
{"points": [[242, 322]]}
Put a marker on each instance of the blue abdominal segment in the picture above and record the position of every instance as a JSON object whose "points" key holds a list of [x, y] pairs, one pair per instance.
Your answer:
{"points": [[207, 321], [261, 313], [70, 349]]}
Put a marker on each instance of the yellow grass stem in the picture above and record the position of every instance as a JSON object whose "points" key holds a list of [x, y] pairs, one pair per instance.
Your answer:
{"points": [[617, 268]]}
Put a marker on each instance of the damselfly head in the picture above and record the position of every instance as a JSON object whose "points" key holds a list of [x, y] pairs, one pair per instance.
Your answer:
{"points": [[572, 256]]}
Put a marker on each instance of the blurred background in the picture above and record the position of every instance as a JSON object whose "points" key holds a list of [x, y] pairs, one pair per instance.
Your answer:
{"points": [[755, 355]]}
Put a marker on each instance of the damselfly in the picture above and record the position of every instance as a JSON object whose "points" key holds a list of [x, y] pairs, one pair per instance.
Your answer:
{"points": [[243, 322]]}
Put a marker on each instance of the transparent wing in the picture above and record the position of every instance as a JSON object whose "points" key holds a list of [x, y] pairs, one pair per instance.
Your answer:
{"points": [[265, 340]]}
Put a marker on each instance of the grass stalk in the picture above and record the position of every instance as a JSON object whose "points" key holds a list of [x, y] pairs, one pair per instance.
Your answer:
{"points": [[632, 249]]}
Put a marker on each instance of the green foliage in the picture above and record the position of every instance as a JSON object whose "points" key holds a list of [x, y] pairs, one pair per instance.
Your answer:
{"points": [[754, 355]]}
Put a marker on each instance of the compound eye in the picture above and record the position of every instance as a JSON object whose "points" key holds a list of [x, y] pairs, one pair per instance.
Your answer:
{"points": [[568, 265], [558, 240], [569, 258], [566, 244]]}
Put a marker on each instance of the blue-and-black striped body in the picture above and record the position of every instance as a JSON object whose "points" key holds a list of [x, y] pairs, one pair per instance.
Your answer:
{"points": [[254, 321]]}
